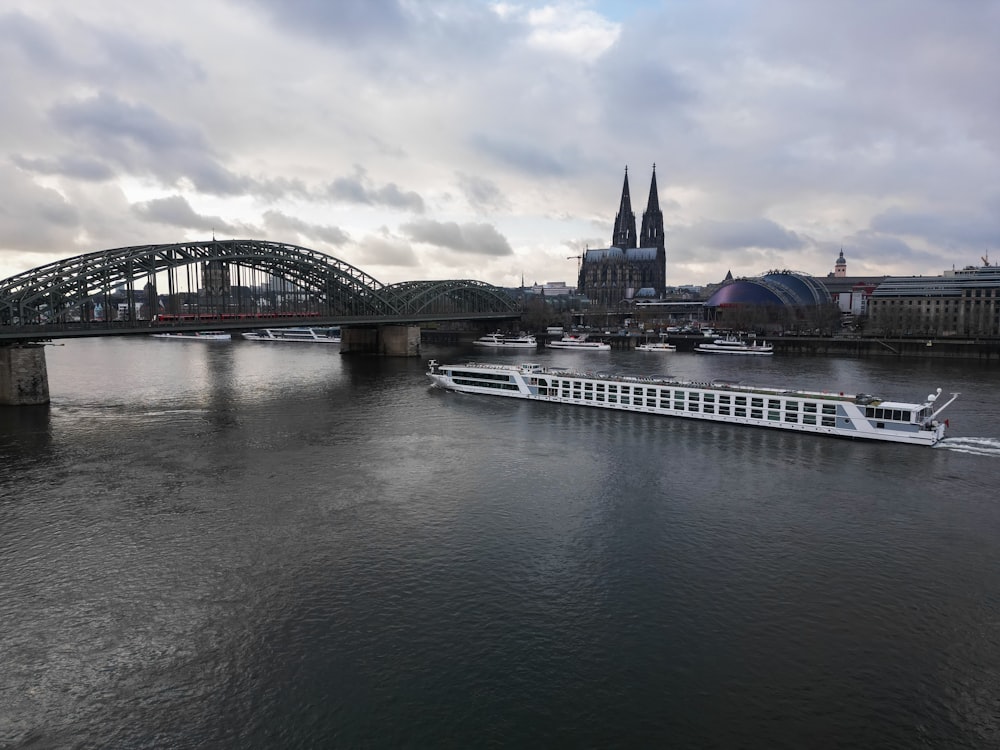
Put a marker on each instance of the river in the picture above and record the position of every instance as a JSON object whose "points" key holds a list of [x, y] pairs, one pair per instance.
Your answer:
{"points": [[247, 545]]}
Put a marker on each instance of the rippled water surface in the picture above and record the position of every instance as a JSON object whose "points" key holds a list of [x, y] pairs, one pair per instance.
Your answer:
{"points": [[253, 546]]}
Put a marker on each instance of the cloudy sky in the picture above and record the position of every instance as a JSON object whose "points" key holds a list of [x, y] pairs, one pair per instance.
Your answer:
{"points": [[434, 139]]}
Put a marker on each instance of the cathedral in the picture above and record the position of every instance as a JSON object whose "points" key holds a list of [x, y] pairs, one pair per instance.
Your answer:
{"points": [[635, 266]]}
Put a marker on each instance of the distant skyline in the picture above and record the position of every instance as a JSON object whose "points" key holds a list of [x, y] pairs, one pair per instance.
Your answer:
{"points": [[488, 140]]}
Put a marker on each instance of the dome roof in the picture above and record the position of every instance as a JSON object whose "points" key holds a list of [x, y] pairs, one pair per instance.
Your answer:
{"points": [[773, 288], [743, 292]]}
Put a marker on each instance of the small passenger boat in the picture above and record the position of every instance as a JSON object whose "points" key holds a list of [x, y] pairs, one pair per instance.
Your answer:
{"points": [[195, 336], [731, 345], [505, 341], [860, 416], [656, 346], [579, 342], [295, 335]]}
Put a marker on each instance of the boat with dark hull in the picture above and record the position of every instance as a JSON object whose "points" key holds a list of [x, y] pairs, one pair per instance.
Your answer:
{"points": [[859, 416]]}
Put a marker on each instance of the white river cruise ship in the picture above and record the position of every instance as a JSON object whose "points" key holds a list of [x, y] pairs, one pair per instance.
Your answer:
{"points": [[860, 416]]}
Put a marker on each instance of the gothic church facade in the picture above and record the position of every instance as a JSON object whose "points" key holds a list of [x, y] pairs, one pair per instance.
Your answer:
{"points": [[635, 266]]}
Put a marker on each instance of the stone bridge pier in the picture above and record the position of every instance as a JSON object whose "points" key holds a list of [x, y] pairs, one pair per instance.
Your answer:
{"points": [[24, 380], [386, 341]]}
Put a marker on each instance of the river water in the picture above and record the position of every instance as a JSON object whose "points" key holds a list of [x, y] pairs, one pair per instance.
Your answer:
{"points": [[244, 545]]}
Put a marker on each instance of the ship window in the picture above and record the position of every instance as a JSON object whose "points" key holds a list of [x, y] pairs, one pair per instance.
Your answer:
{"points": [[774, 415], [725, 399], [694, 397], [773, 403], [791, 406], [693, 406], [709, 409], [741, 400], [625, 399], [723, 409], [612, 389], [880, 425], [612, 398], [756, 414], [740, 411], [791, 416], [809, 419], [757, 401], [829, 408], [710, 397], [829, 421], [809, 407]]}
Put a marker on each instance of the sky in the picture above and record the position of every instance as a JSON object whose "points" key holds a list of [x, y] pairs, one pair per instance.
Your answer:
{"points": [[467, 139]]}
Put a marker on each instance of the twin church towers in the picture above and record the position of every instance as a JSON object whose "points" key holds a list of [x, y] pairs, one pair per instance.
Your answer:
{"points": [[635, 266]]}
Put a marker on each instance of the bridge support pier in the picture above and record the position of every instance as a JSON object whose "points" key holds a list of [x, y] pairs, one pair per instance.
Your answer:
{"points": [[385, 341], [24, 380]]}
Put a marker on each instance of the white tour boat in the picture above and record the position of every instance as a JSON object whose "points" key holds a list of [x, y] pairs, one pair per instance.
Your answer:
{"points": [[505, 341], [656, 346], [195, 336], [859, 416], [730, 345], [295, 335], [580, 343]]}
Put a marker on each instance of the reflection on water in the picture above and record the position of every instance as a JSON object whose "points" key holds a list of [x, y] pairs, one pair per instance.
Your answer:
{"points": [[236, 546]]}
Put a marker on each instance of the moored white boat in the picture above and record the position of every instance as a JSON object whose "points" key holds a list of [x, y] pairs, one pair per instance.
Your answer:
{"points": [[195, 336], [295, 335], [730, 345], [506, 341], [656, 346], [860, 416], [580, 343]]}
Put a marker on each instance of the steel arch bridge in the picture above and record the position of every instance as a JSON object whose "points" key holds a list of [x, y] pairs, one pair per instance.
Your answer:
{"points": [[220, 276]]}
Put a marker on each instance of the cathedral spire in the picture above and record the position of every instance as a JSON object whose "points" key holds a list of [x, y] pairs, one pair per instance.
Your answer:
{"points": [[652, 219], [624, 234]]}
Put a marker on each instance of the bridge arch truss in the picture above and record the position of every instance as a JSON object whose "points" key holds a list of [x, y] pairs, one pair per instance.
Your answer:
{"points": [[245, 276]]}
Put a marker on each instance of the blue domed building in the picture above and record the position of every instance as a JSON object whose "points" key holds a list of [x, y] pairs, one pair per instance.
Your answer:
{"points": [[777, 295]]}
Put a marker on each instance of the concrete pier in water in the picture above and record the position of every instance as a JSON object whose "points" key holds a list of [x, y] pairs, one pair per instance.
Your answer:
{"points": [[24, 379], [386, 341]]}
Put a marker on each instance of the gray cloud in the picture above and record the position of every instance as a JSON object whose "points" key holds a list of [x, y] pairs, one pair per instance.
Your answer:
{"points": [[278, 223], [478, 239], [944, 230], [358, 189], [482, 194], [736, 235], [141, 141], [524, 155], [386, 250], [78, 167], [175, 211]]}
